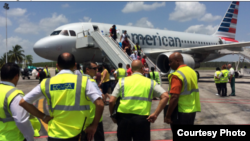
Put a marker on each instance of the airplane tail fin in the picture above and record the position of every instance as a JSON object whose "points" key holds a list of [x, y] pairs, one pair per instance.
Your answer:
{"points": [[227, 28]]}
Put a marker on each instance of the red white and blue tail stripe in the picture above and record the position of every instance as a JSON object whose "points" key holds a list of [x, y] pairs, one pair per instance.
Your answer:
{"points": [[227, 28]]}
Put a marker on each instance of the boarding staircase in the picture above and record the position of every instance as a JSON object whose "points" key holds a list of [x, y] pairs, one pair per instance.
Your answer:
{"points": [[245, 53], [148, 61], [111, 49]]}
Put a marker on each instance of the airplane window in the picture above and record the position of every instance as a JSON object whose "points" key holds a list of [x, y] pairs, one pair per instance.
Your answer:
{"points": [[55, 32], [64, 32], [72, 33], [182, 41], [194, 42], [187, 41], [198, 42]]}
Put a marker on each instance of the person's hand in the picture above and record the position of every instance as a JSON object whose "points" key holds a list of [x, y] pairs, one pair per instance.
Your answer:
{"points": [[152, 118], [47, 119], [90, 131], [168, 120], [100, 84], [229, 81]]}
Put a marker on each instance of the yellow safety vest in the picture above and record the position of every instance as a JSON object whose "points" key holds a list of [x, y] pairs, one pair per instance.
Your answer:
{"points": [[92, 107], [138, 47], [215, 79], [8, 129], [65, 94], [136, 95], [81, 72], [224, 78], [47, 73], [57, 70], [157, 77], [121, 73], [189, 100]]}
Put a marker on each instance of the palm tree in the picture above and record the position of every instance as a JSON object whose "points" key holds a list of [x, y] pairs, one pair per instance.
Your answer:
{"points": [[16, 54], [28, 59], [3, 59]]}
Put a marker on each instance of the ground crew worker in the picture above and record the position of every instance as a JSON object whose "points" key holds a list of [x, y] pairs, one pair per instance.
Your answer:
{"points": [[155, 75], [136, 92], [184, 99], [224, 80], [67, 96], [90, 69], [217, 80], [231, 79], [14, 123], [56, 71], [47, 71], [120, 72]]}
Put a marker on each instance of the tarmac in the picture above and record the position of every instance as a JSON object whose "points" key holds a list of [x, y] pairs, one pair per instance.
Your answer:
{"points": [[215, 110]]}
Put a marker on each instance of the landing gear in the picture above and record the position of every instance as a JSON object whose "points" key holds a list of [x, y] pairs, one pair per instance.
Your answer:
{"points": [[198, 75]]}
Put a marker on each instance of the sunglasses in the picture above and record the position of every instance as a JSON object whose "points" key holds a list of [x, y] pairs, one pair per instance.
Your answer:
{"points": [[94, 68]]}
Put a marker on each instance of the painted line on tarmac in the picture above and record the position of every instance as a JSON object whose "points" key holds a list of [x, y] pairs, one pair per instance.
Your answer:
{"points": [[224, 102], [40, 107]]}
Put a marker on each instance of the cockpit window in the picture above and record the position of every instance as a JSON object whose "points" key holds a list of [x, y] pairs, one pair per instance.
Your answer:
{"points": [[55, 32], [64, 32], [72, 33]]}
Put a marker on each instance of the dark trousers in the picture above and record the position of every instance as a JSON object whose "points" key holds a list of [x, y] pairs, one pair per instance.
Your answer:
{"points": [[224, 89], [184, 119], [99, 134], [131, 126], [218, 86], [69, 139], [232, 84]]}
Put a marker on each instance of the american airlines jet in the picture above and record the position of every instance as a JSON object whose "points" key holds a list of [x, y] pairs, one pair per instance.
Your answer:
{"points": [[156, 44]]}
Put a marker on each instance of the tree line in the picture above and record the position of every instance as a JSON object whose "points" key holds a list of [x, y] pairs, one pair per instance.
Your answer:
{"points": [[16, 55], [219, 64]]}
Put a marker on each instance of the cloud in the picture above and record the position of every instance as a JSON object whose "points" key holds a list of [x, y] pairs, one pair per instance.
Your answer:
{"points": [[143, 22], [130, 24], [86, 19], [3, 21], [27, 28], [165, 28], [186, 11], [65, 5], [140, 6], [202, 29], [16, 12], [12, 41], [49, 24], [209, 18]]}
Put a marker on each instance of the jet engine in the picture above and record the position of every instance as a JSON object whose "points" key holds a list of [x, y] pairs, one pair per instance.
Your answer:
{"points": [[162, 61]]}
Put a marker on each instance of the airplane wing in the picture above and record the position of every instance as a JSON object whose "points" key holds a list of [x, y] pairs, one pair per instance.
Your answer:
{"points": [[204, 49]]}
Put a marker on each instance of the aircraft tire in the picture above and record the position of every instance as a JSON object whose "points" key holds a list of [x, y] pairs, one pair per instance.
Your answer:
{"points": [[236, 75]]}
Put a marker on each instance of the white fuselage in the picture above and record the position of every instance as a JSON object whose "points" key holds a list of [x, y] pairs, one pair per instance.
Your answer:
{"points": [[149, 40]]}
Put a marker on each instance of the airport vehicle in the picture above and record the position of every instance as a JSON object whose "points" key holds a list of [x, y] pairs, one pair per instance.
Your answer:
{"points": [[91, 41]]}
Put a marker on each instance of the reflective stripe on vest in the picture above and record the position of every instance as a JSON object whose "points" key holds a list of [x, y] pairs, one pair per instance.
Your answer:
{"points": [[137, 98], [81, 72], [5, 107], [185, 91], [47, 73], [157, 78], [121, 73], [77, 106], [215, 79]]}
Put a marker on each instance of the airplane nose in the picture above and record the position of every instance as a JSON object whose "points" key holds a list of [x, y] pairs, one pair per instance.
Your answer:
{"points": [[40, 47]]}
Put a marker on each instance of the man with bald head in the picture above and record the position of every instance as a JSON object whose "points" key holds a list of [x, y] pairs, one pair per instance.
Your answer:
{"points": [[231, 79], [133, 114], [184, 93], [68, 97]]}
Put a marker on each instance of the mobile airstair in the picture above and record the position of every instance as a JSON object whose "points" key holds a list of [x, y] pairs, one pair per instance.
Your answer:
{"points": [[111, 49]]}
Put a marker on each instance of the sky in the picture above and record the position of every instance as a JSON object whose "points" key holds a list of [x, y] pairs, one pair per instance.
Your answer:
{"points": [[30, 21]]}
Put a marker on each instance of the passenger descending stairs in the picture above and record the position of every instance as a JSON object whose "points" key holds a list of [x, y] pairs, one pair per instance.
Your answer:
{"points": [[149, 62], [112, 50]]}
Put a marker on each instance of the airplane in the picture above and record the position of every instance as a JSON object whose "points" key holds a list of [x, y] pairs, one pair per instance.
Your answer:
{"points": [[157, 44]]}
